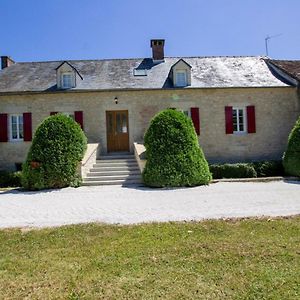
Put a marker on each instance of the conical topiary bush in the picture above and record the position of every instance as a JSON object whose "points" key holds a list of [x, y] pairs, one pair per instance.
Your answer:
{"points": [[174, 157], [56, 150], [291, 158]]}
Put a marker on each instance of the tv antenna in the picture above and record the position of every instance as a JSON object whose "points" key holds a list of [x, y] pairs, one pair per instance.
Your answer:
{"points": [[267, 38]]}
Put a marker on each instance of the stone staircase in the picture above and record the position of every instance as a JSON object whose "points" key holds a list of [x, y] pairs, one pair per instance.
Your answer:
{"points": [[114, 170]]}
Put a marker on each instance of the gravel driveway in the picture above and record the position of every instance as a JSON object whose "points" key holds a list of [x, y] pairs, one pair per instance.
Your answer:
{"points": [[129, 205]]}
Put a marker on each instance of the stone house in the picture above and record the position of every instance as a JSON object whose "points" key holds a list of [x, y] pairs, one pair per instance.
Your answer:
{"points": [[243, 108]]}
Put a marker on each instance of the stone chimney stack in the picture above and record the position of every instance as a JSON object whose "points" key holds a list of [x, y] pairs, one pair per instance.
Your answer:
{"points": [[6, 61], [157, 49]]}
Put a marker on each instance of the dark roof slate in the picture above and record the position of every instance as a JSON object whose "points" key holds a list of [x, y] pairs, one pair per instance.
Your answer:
{"points": [[207, 72], [291, 67]]}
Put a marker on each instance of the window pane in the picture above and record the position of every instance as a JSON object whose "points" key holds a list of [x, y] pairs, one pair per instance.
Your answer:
{"points": [[14, 119], [124, 123], [181, 78], [241, 120], [14, 131], [21, 135], [110, 122], [67, 80], [119, 124], [234, 120]]}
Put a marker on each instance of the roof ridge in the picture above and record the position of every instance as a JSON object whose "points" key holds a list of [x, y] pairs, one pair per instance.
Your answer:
{"points": [[140, 58]]}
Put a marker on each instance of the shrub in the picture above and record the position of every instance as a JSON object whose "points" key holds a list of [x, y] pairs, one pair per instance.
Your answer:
{"points": [[268, 168], [10, 179], [57, 148], [291, 158], [239, 170], [174, 157]]}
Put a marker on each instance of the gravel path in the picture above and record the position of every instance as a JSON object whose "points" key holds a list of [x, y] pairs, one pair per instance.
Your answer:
{"points": [[129, 205]]}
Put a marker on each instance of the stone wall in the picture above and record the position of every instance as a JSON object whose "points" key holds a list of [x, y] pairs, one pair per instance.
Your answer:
{"points": [[276, 112]]}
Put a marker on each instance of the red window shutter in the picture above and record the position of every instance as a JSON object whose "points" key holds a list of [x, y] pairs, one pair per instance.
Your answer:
{"points": [[3, 128], [251, 119], [27, 127], [196, 119], [228, 120], [53, 113], [79, 118]]}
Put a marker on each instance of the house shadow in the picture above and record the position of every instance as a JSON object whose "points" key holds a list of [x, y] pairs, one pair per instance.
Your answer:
{"points": [[292, 180], [147, 64], [51, 88], [21, 191]]}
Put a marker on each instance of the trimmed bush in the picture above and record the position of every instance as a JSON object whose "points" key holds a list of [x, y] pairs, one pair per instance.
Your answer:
{"points": [[291, 158], [10, 179], [268, 168], [239, 170], [174, 157], [57, 148]]}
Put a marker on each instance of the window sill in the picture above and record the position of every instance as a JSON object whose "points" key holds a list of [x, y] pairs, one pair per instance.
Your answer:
{"points": [[16, 141], [239, 133]]}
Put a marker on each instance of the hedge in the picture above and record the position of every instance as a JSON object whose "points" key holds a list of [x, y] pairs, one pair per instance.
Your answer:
{"points": [[247, 170], [10, 179]]}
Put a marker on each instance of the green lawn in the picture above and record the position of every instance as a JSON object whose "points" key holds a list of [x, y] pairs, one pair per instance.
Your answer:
{"points": [[246, 259]]}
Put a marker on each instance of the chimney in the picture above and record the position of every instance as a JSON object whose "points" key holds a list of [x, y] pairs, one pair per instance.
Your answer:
{"points": [[6, 61], [157, 49]]}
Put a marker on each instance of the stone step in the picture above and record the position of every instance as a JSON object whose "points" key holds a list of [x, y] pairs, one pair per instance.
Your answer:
{"points": [[122, 172], [112, 182], [114, 161], [114, 168], [113, 177], [114, 164], [117, 156]]}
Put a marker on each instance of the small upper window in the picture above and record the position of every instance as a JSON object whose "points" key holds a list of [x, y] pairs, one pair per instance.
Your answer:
{"points": [[181, 78], [239, 120], [16, 127], [66, 80]]}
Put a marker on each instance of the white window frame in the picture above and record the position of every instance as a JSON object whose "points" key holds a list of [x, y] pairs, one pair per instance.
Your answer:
{"points": [[185, 111], [62, 80], [238, 109], [68, 114], [11, 138], [185, 78]]}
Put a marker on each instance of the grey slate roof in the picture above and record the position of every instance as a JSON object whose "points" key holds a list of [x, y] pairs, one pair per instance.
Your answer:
{"points": [[207, 72], [291, 67]]}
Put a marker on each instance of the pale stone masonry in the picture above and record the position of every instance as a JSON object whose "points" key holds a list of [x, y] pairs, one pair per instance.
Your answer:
{"points": [[276, 112], [244, 107]]}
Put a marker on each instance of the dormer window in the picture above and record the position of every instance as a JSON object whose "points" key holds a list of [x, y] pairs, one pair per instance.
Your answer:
{"points": [[180, 74], [181, 78], [67, 76], [66, 81]]}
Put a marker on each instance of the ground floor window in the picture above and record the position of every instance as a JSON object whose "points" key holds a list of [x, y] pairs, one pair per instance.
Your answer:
{"points": [[16, 127], [239, 120]]}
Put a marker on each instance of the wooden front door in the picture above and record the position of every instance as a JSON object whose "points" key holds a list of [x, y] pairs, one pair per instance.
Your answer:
{"points": [[117, 130]]}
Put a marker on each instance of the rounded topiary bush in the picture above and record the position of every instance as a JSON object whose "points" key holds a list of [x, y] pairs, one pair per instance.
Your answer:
{"points": [[291, 158], [174, 157], [57, 148]]}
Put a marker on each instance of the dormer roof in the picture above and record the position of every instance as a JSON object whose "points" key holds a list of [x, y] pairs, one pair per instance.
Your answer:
{"points": [[182, 60], [66, 62]]}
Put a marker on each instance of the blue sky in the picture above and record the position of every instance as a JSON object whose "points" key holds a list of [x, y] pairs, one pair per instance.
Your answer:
{"points": [[38, 30]]}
